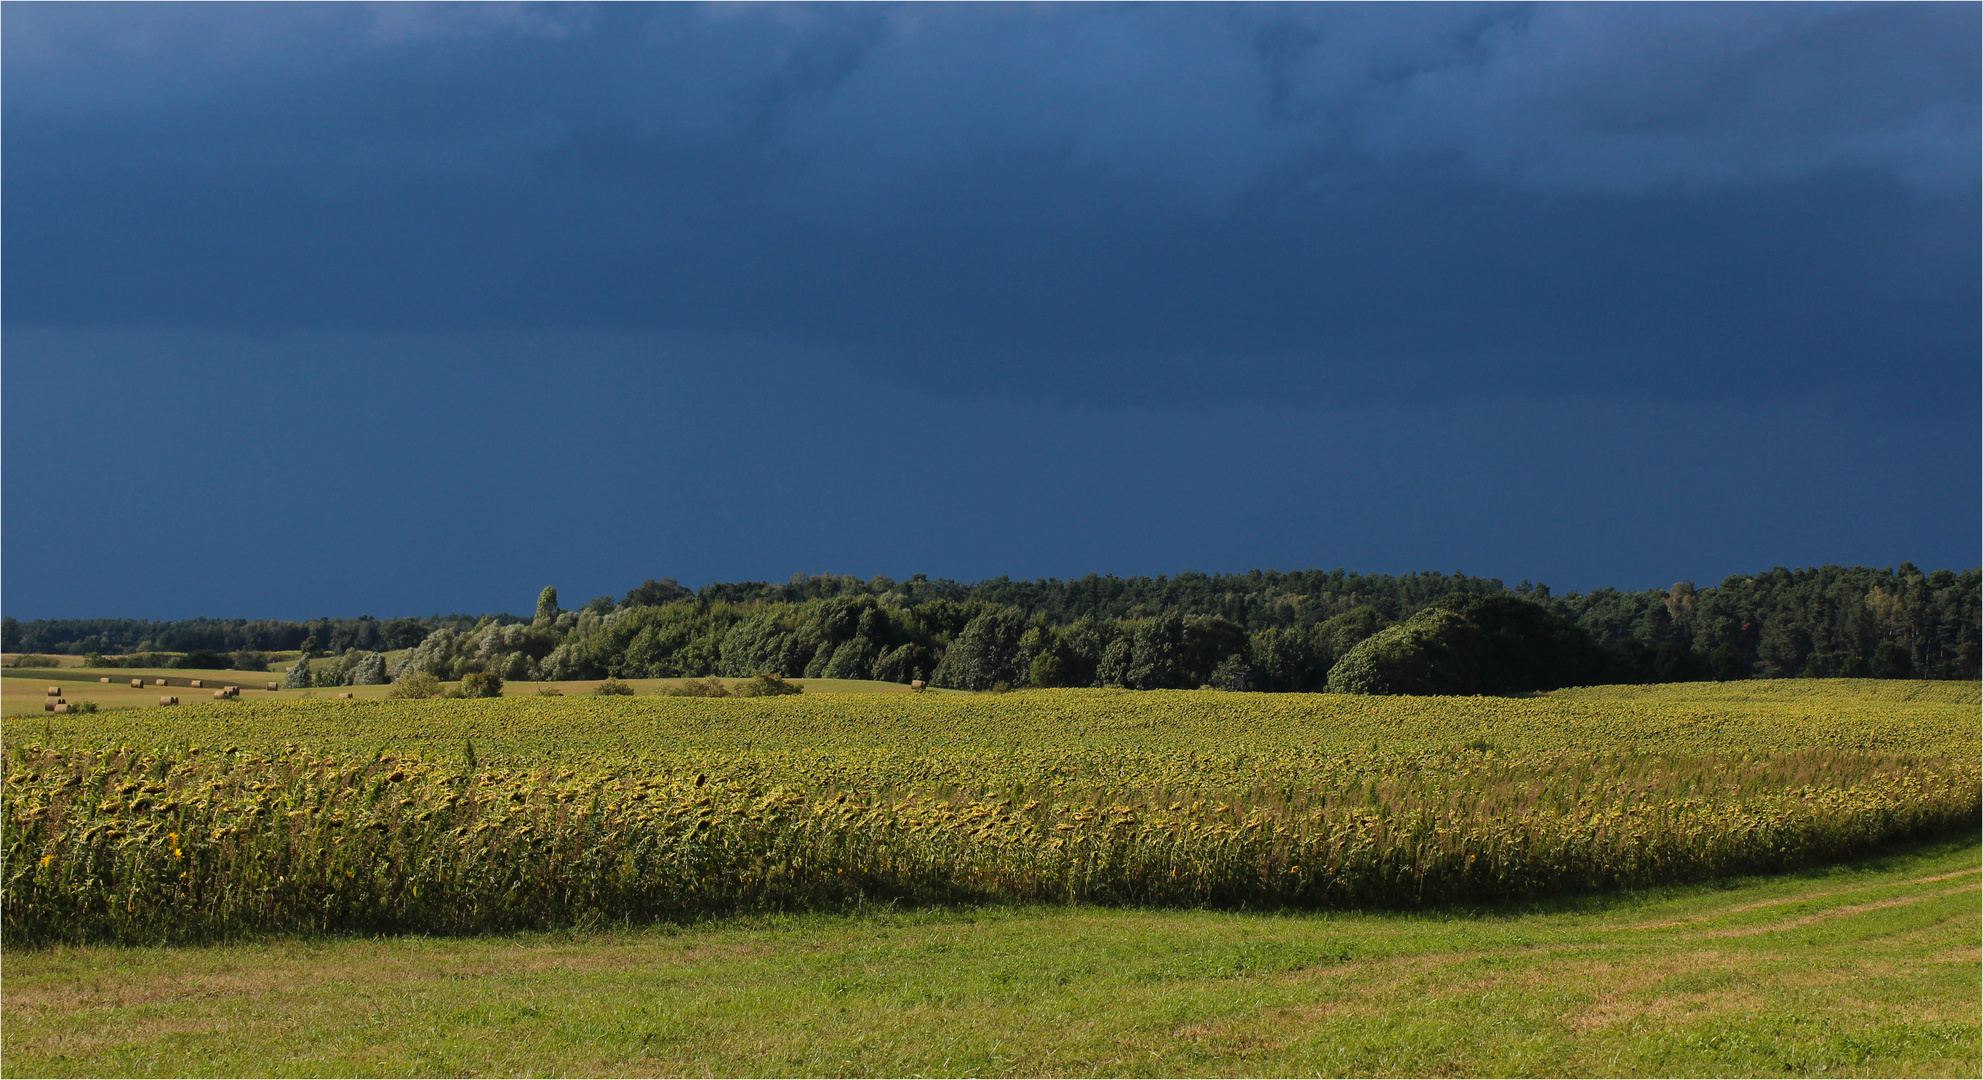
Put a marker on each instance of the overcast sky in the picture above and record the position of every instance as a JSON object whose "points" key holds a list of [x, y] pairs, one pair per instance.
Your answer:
{"points": [[388, 310]]}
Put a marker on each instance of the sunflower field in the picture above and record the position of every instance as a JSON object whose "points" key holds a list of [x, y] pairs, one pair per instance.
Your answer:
{"points": [[238, 818]]}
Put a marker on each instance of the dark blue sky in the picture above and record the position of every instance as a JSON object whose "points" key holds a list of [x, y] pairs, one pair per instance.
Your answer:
{"points": [[345, 310]]}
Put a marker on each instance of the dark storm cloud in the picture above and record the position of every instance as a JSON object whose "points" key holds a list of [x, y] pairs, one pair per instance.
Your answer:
{"points": [[168, 474], [473, 299], [1099, 203]]}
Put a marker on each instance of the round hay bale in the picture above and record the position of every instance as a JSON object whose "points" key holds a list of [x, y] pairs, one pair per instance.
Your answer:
{"points": [[915, 684], [54, 691], [219, 695], [104, 679], [137, 683], [158, 682], [346, 694], [61, 706], [168, 700], [275, 686], [195, 683], [48, 706]]}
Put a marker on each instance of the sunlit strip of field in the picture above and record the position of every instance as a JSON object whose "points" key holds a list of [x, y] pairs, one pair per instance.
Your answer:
{"points": [[23, 691]]}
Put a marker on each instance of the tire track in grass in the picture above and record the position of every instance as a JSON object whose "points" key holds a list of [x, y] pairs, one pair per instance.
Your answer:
{"points": [[1841, 913], [1800, 898]]}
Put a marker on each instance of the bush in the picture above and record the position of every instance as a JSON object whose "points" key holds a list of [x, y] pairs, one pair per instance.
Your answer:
{"points": [[479, 684], [697, 688], [548, 690], [766, 684], [415, 684], [33, 660], [249, 660], [1473, 645], [613, 688], [139, 660], [202, 660], [298, 675]]}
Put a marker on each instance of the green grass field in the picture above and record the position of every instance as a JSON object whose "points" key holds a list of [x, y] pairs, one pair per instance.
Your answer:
{"points": [[1868, 969]]}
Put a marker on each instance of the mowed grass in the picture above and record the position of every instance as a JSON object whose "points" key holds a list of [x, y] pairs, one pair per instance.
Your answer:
{"points": [[1870, 968], [23, 690]]}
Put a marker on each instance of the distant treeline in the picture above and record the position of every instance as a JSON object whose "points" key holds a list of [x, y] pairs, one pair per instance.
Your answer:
{"points": [[1264, 630], [109, 637]]}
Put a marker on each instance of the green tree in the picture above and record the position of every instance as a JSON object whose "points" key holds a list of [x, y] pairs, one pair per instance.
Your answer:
{"points": [[1232, 673], [1473, 645], [652, 593], [1113, 667], [1157, 655], [1726, 663], [370, 670], [1082, 644], [905, 663], [1335, 637], [986, 653], [1433, 652], [1048, 670], [547, 607]]}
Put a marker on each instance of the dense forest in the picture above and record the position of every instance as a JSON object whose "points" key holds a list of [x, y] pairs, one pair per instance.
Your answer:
{"points": [[1264, 630]]}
